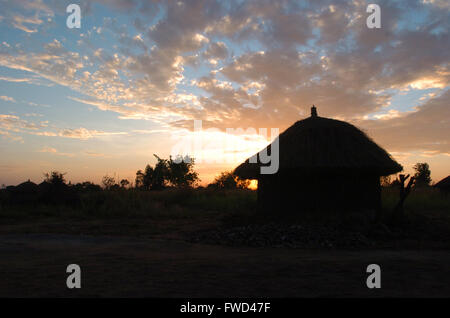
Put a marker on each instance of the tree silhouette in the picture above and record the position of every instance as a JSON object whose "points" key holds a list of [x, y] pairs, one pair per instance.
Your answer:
{"points": [[404, 192], [228, 180], [422, 175], [124, 183], [160, 174], [139, 181], [55, 178], [87, 186], [385, 181], [146, 179], [108, 182], [178, 172], [181, 171]]}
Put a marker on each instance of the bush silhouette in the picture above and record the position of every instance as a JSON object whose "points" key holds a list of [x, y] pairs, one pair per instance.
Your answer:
{"points": [[178, 172], [228, 180], [422, 175]]}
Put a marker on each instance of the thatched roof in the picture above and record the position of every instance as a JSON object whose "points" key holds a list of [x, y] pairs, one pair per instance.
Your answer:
{"points": [[444, 183], [323, 144], [44, 186], [26, 187]]}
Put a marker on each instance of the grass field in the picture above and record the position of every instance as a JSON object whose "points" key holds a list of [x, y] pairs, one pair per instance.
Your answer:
{"points": [[172, 212], [134, 243], [189, 202]]}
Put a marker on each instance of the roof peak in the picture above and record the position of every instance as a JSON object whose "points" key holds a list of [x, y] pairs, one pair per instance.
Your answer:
{"points": [[313, 111]]}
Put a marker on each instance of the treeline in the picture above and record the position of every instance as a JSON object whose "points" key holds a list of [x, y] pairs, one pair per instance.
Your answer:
{"points": [[172, 173]]}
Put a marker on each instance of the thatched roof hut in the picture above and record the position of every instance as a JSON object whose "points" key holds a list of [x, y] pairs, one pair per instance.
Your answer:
{"points": [[44, 187], [23, 193], [444, 184], [27, 187], [322, 163]]}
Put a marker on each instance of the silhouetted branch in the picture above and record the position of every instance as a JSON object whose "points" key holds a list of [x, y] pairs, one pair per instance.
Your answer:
{"points": [[404, 192]]}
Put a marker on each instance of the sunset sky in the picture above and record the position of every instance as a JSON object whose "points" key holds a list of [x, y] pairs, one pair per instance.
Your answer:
{"points": [[102, 99]]}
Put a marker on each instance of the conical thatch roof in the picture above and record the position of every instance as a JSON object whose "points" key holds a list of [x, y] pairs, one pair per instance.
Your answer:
{"points": [[44, 186], [26, 187], [444, 183], [323, 144]]}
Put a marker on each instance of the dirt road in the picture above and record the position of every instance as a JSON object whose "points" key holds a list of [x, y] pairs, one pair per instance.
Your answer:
{"points": [[35, 265]]}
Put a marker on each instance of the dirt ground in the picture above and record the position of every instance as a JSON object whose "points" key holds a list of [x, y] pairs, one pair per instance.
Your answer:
{"points": [[35, 265]]}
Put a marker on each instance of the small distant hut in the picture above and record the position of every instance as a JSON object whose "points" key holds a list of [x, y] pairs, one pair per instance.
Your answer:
{"points": [[26, 188], [44, 187], [444, 185], [23, 193], [324, 164]]}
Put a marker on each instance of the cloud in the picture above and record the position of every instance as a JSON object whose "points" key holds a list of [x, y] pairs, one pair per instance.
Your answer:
{"points": [[8, 135], [441, 4], [8, 99], [84, 134], [426, 129], [15, 80], [26, 15], [27, 80], [268, 62], [19, 22], [392, 113], [37, 6], [101, 105], [55, 152], [14, 124], [59, 66], [216, 50], [94, 154]]}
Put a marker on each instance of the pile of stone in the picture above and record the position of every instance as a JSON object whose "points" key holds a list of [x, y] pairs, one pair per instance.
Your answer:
{"points": [[282, 235]]}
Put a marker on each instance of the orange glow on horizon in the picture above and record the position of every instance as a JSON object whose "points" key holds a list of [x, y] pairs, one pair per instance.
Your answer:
{"points": [[253, 185]]}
